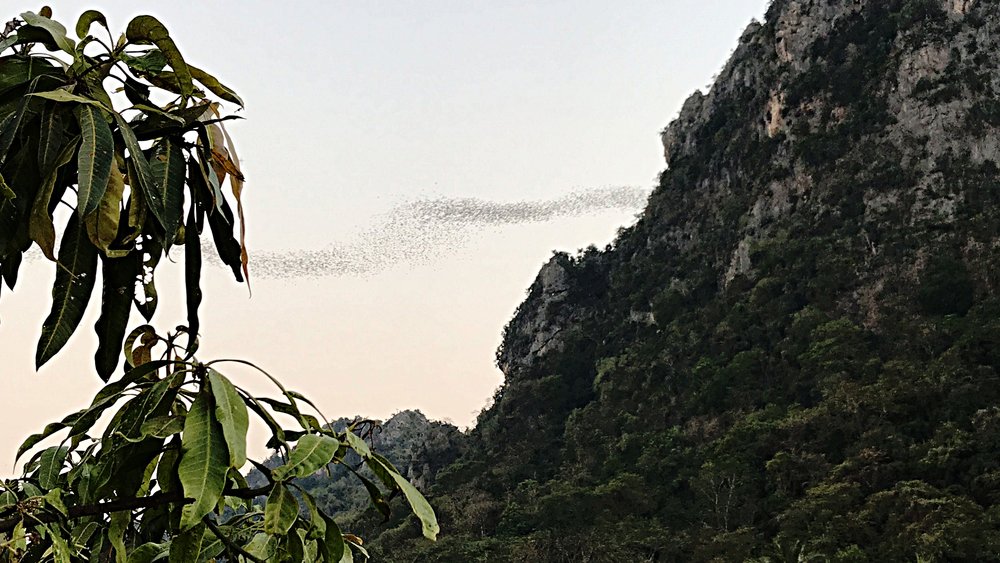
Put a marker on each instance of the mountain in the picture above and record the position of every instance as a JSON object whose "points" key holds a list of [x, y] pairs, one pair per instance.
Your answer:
{"points": [[793, 354], [416, 446]]}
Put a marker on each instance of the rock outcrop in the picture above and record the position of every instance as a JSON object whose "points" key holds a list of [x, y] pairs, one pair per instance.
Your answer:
{"points": [[792, 354]]}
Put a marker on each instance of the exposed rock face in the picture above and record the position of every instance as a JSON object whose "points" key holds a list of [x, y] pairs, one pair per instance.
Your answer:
{"points": [[935, 81], [538, 327], [839, 181], [418, 447], [802, 22]]}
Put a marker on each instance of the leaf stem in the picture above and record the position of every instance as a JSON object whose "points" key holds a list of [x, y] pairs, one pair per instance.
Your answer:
{"points": [[229, 543]]}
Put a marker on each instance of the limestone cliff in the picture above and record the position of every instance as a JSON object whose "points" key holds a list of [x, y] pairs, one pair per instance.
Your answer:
{"points": [[793, 354]]}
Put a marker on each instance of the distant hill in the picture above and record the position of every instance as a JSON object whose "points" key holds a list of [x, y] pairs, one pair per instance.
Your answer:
{"points": [[794, 354], [418, 447]]}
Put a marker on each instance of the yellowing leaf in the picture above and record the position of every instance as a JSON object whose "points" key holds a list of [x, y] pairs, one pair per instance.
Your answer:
{"points": [[215, 86], [147, 29], [236, 181], [102, 225], [5, 190], [86, 20], [40, 227]]}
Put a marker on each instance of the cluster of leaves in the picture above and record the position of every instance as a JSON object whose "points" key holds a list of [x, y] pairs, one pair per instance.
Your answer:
{"points": [[163, 477], [139, 179], [151, 469]]}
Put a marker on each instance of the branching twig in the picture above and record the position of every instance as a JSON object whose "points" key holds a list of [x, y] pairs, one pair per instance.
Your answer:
{"points": [[228, 542], [121, 505]]}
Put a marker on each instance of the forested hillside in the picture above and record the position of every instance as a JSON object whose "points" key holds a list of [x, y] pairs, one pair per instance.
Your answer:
{"points": [[793, 354]]}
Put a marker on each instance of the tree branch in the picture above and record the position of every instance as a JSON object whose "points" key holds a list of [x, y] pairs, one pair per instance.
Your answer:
{"points": [[125, 504], [228, 542]]}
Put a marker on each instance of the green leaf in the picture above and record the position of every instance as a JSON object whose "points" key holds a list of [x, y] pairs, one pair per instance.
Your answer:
{"points": [[358, 445], [82, 532], [162, 426], [11, 123], [61, 552], [149, 403], [187, 546], [229, 249], [9, 42], [204, 461], [50, 466], [421, 508], [40, 226], [192, 277], [116, 308], [214, 86], [278, 435], [116, 534], [75, 277], [332, 546], [312, 452], [375, 494], [166, 470], [150, 62], [7, 499], [5, 190], [294, 549], [317, 526], [261, 546], [233, 417], [66, 96], [86, 20], [375, 464], [147, 552], [113, 391], [18, 541], [280, 511], [54, 499], [139, 170], [168, 167], [154, 250], [53, 28], [212, 546], [53, 133], [348, 556], [97, 153], [35, 439], [147, 29]]}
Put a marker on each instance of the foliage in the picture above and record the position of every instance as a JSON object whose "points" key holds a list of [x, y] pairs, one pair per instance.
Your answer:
{"points": [[151, 469], [163, 477], [128, 174]]}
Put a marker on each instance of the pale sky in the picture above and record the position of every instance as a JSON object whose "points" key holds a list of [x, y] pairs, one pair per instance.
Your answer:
{"points": [[357, 114]]}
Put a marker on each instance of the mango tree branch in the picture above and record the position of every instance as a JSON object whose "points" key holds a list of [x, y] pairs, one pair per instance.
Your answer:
{"points": [[124, 504]]}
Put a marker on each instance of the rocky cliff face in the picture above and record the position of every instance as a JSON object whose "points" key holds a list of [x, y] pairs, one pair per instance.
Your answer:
{"points": [[418, 447], [854, 112], [792, 354]]}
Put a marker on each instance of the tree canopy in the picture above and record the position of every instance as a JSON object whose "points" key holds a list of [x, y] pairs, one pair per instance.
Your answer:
{"points": [[129, 137], [140, 179]]}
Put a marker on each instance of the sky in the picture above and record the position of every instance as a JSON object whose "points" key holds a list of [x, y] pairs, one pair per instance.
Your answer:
{"points": [[410, 166]]}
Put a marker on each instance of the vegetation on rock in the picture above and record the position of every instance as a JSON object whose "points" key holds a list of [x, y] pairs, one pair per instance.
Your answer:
{"points": [[794, 354]]}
